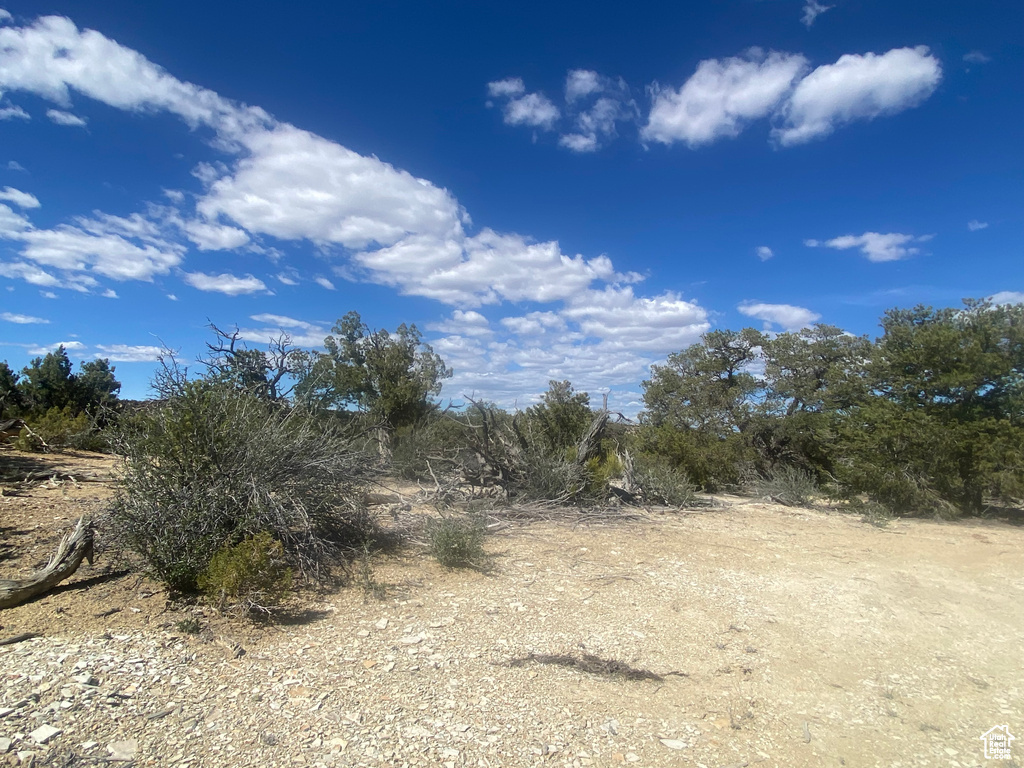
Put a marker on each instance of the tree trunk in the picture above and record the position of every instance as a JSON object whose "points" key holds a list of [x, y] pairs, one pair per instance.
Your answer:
{"points": [[73, 548]]}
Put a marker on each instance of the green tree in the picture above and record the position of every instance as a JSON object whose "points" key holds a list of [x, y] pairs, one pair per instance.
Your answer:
{"points": [[943, 423], [10, 395], [391, 377], [810, 377], [698, 404], [48, 382], [561, 417], [96, 385]]}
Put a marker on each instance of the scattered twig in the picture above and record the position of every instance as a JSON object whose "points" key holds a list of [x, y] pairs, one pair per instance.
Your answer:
{"points": [[19, 638]]}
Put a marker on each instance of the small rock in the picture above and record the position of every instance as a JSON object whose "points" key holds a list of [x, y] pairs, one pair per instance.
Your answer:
{"points": [[5, 744], [632, 757], [411, 639], [5, 711], [123, 751], [674, 743], [44, 733], [86, 679], [382, 624], [369, 663]]}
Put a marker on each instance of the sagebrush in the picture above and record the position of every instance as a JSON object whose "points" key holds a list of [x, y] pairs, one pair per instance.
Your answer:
{"points": [[211, 465]]}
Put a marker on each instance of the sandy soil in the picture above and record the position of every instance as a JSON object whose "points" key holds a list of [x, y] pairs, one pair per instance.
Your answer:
{"points": [[778, 637]]}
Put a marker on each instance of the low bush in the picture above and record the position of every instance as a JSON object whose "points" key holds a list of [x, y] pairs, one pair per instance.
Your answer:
{"points": [[657, 482], [61, 428], [457, 542], [212, 465], [251, 575], [787, 485]]}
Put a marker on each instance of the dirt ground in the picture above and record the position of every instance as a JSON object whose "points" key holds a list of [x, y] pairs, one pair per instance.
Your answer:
{"points": [[758, 635]]}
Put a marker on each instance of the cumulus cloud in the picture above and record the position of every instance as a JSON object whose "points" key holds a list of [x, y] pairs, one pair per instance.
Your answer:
{"points": [[65, 118], [70, 346], [12, 317], [533, 109], [295, 185], [974, 225], [129, 353], [13, 113], [857, 87], [595, 125], [214, 237], [764, 252], [1007, 297], [812, 10], [225, 283], [510, 86], [876, 246], [621, 319], [534, 323], [789, 317], [19, 198], [580, 83], [487, 268], [463, 323], [721, 97]]}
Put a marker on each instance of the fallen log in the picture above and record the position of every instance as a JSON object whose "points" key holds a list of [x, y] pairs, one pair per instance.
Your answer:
{"points": [[73, 548]]}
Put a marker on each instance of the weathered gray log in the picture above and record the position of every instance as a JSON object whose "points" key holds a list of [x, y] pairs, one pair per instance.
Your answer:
{"points": [[73, 548], [588, 445]]}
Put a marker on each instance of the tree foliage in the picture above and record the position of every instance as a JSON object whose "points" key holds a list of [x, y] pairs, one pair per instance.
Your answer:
{"points": [[390, 377]]}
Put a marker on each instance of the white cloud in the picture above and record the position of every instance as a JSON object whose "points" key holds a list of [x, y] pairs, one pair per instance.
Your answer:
{"points": [[764, 252], [286, 279], [721, 97], [510, 86], [110, 293], [812, 10], [172, 297], [878, 247], [789, 317], [299, 332], [464, 323], [225, 283], [65, 118], [5, 16], [11, 317], [128, 353], [620, 319], [296, 185], [214, 237], [486, 269], [14, 112], [977, 57], [14, 165], [1007, 297], [323, 282], [534, 323], [594, 125], [974, 225], [48, 294], [108, 254], [30, 273], [857, 87], [580, 83], [52, 56], [578, 142], [70, 346], [533, 109], [19, 198]]}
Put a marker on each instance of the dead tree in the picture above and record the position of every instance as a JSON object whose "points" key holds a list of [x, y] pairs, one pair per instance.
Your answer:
{"points": [[73, 548]]}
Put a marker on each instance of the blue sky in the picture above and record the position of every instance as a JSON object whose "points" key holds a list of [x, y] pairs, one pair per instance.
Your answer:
{"points": [[568, 190]]}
